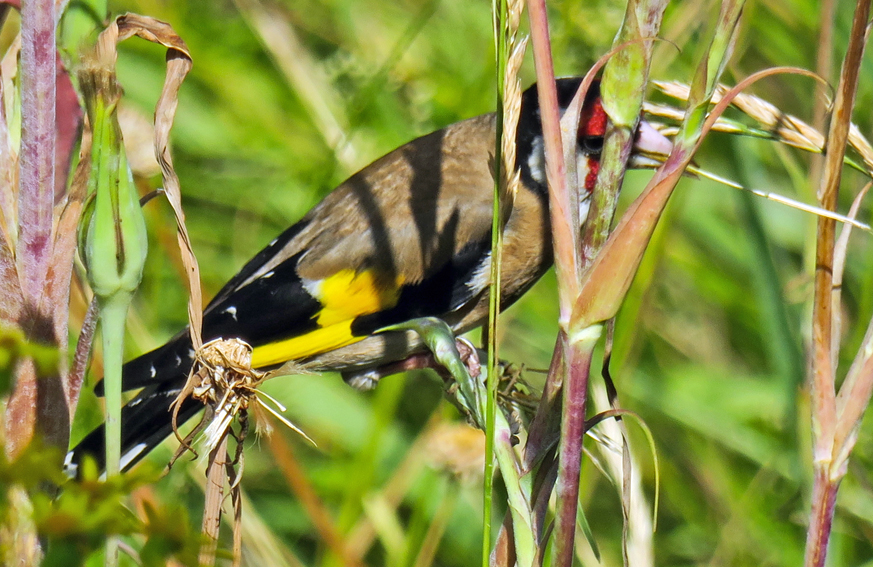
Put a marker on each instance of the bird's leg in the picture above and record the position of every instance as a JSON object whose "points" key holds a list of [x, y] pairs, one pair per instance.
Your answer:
{"points": [[366, 380], [445, 354]]}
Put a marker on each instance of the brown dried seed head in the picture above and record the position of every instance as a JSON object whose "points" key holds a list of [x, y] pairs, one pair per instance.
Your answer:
{"points": [[458, 449]]}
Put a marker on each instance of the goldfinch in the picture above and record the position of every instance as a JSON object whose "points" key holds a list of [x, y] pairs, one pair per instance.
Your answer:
{"points": [[408, 236]]}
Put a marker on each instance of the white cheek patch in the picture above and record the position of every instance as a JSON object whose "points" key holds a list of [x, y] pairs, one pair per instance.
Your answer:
{"points": [[584, 206], [582, 170], [536, 161]]}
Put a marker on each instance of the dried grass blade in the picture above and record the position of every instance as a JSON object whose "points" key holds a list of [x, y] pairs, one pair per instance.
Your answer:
{"points": [[211, 525], [848, 220], [841, 249]]}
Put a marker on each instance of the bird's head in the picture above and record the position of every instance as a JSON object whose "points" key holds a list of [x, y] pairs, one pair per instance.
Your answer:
{"points": [[592, 128]]}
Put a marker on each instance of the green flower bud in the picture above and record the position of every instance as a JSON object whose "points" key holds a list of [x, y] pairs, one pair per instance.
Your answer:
{"points": [[112, 235]]}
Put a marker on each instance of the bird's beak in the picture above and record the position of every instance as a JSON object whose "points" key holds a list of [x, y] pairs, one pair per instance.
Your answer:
{"points": [[651, 147]]}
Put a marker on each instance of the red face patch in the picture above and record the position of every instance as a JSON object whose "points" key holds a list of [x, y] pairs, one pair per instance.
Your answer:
{"points": [[592, 122], [591, 178]]}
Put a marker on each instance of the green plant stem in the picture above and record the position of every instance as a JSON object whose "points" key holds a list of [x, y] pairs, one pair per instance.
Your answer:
{"points": [[517, 492], [500, 9], [113, 313]]}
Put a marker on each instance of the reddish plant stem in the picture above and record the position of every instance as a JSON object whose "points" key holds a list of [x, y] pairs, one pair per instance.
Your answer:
{"points": [[570, 455], [564, 234], [36, 403], [824, 499], [825, 420], [37, 173]]}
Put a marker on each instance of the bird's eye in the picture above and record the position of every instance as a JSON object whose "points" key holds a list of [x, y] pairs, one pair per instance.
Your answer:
{"points": [[592, 145]]}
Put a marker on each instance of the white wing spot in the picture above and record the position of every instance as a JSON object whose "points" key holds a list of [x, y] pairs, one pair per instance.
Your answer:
{"points": [[268, 274], [70, 469], [482, 276], [131, 455], [312, 286], [231, 311], [152, 371]]}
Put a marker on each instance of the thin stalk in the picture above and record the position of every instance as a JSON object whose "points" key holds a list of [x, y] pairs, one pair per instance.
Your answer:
{"points": [[215, 477], [825, 421], [824, 499], [564, 241], [500, 10], [113, 314], [564, 234]]}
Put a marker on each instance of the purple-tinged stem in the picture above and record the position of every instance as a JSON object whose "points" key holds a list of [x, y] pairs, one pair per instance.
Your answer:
{"points": [[37, 170], [824, 499], [570, 455], [564, 234]]}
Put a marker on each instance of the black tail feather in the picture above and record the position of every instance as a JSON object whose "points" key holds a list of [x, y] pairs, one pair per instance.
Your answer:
{"points": [[145, 422], [169, 363], [147, 419]]}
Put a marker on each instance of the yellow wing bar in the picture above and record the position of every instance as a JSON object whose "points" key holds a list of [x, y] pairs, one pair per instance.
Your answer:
{"points": [[344, 296]]}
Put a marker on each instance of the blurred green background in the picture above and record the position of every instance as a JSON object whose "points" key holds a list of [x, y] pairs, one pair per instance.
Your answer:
{"points": [[288, 98]]}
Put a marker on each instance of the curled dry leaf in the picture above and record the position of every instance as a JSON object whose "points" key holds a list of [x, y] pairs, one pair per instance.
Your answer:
{"points": [[178, 65]]}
